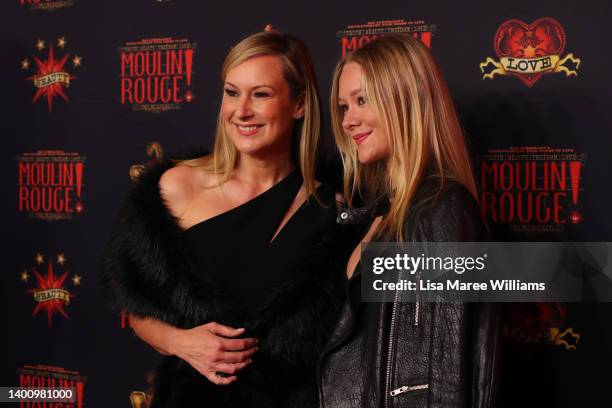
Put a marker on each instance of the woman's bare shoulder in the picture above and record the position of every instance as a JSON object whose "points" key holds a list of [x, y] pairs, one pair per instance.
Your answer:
{"points": [[179, 185]]}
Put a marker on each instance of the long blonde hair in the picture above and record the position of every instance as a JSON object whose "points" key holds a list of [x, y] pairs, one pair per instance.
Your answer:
{"points": [[405, 88], [299, 73]]}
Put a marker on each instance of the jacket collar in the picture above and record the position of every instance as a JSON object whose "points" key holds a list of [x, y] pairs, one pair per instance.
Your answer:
{"points": [[363, 215]]}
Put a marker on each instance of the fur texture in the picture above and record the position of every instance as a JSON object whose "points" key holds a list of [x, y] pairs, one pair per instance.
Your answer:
{"points": [[148, 271]]}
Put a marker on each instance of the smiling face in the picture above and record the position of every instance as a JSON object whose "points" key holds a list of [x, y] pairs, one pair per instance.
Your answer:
{"points": [[359, 121], [257, 109]]}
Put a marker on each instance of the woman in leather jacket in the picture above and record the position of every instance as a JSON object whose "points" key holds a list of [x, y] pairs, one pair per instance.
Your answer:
{"points": [[404, 154]]}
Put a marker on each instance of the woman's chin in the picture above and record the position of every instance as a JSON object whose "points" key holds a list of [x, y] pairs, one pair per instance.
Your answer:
{"points": [[247, 147], [370, 156], [366, 158]]}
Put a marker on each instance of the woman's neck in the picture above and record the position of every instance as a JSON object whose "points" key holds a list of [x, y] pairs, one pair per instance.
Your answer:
{"points": [[263, 173]]}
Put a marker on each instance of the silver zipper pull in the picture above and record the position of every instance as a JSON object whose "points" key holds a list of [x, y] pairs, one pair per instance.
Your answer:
{"points": [[407, 388]]}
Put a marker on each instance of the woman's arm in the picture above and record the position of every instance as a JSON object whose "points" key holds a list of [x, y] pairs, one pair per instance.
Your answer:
{"points": [[155, 333], [210, 348]]}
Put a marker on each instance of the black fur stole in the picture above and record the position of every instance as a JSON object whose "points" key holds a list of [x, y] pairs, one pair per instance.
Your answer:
{"points": [[148, 271]]}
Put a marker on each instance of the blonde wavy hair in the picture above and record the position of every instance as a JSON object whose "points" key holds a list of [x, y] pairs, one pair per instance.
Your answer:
{"points": [[404, 86], [299, 73]]}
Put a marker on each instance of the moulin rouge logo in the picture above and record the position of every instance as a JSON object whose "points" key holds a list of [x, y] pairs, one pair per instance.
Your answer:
{"points": [[51, 76], [529, 51], [47, 5], [41, 376], [532, 189], [50, 295], [356, 36], [51, 184], [156, 74]]}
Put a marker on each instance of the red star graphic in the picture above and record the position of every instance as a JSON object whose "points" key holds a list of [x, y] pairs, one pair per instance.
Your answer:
{"points": [[45, 283], [50, 66]]}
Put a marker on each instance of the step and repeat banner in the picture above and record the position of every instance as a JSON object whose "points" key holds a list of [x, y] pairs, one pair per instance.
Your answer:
{"points": [[94, 91]]}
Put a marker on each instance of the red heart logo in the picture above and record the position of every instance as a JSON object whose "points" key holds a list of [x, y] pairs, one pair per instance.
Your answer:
{"points": [[517, 39]]}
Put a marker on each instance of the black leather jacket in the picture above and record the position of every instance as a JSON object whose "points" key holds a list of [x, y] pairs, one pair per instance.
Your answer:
{"points": [[416, 354]]}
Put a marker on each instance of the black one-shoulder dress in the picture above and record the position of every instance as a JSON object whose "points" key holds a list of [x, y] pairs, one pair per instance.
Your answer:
{"points": [[286, 290], [237, 249]]}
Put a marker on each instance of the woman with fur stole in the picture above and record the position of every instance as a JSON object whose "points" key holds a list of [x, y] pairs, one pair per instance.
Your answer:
{"points": [[228, 263]]}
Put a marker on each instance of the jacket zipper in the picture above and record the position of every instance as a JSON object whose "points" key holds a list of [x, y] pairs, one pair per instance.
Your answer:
{"points": [[408, 388], [390, 355], [388, 392], [417, 303]]}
